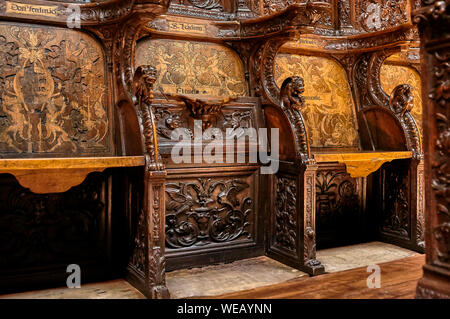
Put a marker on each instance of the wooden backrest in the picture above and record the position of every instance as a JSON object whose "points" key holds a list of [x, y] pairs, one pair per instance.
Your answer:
{"points": [[54, 95], [329, 110]]}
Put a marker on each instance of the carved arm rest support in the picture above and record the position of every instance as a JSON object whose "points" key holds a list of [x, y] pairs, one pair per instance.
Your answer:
{"points": [[142, 89], [291, 102]]}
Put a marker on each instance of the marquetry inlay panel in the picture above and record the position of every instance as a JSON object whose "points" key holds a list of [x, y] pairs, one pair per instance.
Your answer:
{"points": [[329, 108], [393, 75], [53, 92], [188, 67]]}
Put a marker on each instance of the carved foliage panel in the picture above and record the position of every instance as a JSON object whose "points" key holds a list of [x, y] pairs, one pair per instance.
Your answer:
{"points": [[187, 67], [232, 117], [53, 92], [393, 75], [45, 230], [284, 220], [329, 107], [217, 9], [439, 152], [339, 204], [345, 12], [396, 201], [376, 15], [207, 211]]}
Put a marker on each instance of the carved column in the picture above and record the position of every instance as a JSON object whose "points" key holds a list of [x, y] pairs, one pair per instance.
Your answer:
{"points": [[311, 264], [434, 26], [146, 269], [155, 281]]}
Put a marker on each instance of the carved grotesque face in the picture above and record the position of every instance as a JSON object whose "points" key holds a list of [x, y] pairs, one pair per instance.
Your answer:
{"points": [[295, 91], [173, 122], [401, 99], [149, 78]]}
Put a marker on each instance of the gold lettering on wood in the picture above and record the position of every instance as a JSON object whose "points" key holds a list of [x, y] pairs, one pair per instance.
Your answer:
{"points": [[53, 93], [187, 67], [31, 9], [329, 109], [187, 27]]}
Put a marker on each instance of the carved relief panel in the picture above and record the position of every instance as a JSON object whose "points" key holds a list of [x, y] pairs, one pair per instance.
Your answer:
{"points": [[376, 15], [285, 227], [329, 108], [206, 211], [188, 67], [233, 118], [396, 217], [339, 206], [53, 92]]}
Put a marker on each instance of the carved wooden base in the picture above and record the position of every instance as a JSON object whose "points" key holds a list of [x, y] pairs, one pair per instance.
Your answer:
{"points": [[402, 204], [140, 283], [146, 269], [435, 284], [292, 238]]}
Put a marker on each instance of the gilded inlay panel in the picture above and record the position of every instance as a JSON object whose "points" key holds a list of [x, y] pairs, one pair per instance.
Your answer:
{"points": [[53, 92], [187, 67], [393, 75], [329, 108]]}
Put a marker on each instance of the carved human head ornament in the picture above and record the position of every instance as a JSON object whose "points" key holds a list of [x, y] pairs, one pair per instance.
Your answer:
{"points": [[144, 78], [291, 92], [401, 99]]}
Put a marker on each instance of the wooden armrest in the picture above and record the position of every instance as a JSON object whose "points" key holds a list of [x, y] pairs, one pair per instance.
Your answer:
{"points": [[361, 164], [56, 175]]}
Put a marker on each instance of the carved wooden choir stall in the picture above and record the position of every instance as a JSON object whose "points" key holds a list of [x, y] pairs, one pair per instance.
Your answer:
{"points": [[134, 143]]}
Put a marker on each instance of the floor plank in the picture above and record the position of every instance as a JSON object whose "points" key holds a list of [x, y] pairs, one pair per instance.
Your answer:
{"points": [[398, 281]]}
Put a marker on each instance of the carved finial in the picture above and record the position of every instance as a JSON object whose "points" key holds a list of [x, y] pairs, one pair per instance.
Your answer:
{"points": [[291, 93], [401, 100]]}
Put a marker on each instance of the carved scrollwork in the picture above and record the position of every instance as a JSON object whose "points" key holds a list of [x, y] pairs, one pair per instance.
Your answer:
{"points": [[206, 211], [167, 122]]}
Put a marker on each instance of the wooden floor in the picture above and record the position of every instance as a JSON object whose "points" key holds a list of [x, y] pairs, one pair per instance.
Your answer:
{"points": [[398, 281]]}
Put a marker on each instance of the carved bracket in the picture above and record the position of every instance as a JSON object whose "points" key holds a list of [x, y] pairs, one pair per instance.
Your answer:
{"points": [[142, 88]]}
